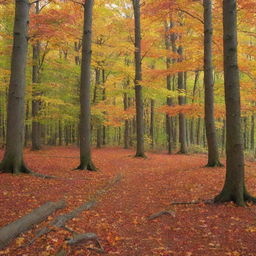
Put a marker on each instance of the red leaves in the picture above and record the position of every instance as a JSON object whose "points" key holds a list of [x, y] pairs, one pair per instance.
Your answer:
{"points": [[120, 218]]}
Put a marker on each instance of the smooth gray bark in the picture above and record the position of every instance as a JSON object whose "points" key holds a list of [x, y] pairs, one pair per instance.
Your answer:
{"points": [[169, 123], [14, 229], [234, 188], [138, 77], [85, 86], [213, 154], [13, 157], [181, 100]]}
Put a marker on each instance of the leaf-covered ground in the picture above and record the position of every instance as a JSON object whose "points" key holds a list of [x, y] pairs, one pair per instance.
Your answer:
{"points": [[120, 218]]}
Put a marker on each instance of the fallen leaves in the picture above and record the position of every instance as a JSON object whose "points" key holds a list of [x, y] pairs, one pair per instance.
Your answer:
{"points": [[120, 218]]}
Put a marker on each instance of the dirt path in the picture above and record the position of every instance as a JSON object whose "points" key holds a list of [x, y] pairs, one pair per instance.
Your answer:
{"points": [[120, 218]]}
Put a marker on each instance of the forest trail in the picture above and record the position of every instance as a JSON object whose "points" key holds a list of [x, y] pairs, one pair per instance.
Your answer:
{"points": [[120, 218]]}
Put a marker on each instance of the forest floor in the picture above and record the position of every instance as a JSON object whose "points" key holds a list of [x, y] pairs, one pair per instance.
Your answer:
{"points": [[120, 218]]}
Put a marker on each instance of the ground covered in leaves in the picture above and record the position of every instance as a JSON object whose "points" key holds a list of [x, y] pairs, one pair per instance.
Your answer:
{"points": [[120, 217]]}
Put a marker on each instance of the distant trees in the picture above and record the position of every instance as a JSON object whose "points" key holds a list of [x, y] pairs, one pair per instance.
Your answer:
{"points": [[13, 158]]}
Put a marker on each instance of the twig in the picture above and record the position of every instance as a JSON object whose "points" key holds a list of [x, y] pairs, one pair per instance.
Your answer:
{"points": [[158, 214]]}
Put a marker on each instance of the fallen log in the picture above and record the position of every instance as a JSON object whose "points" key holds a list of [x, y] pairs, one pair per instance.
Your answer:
{"points": [[14, 229], [60, 221]]}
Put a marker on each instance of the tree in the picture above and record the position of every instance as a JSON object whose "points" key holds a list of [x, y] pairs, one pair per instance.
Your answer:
{"points": [[138, 78], [234, 188], [85, 85], [36, 127], [181, 99], [13, 158], [213, 154]]}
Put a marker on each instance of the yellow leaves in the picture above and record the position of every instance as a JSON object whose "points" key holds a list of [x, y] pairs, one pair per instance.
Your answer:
{"points": [[251, 229], [20, 241], [234, 253]]}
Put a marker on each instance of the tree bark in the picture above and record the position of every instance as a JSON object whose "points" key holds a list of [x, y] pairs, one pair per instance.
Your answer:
{"points": [[13, 157], [213, 154], [169, 124], [181, 99], [234, 188], [192, 134], [14, 229], [138, 77], [85, 85], [36, 127], [152, 119]]}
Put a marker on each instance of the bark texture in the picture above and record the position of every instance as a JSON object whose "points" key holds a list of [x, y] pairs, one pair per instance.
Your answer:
{"points": [[182, 100], [213, 154], [14, 229], [234, 188], [85, 86], [138, 77], [13, 157]]}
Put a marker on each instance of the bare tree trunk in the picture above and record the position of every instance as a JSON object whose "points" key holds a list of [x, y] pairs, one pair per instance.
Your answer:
{"points": [[252, 132], [192, 135], [234, 188], [138, 78], [126, 125], [85, 104], [169, 125], [213, 154], [152, 118], [181, 99], [13, 158]]}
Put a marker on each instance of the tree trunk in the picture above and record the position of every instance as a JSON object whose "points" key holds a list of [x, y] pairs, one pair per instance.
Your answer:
{"points": [[234, 188], [138, 78], [213, 154], [252, 132], [192, 135], [85, 85], [169, 125], [36, 129], [152, 119], [126, 124], [13, 157], [181, 99]]}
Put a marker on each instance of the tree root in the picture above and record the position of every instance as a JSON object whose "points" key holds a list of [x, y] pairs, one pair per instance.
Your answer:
{"points": [[86, 166], [215, 164], [140, 155], [239, 200], [23, 169], [208, 201]]}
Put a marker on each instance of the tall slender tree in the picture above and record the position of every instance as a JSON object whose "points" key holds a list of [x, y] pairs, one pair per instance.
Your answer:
{"points": [[182, 101], [169, 123], [213, 154], [85, 86], [234, 188], [36, 126], [138, 77], [13, 158]]}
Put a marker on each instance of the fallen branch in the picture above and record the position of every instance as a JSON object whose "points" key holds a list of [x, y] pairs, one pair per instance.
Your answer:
{"points": [[209, 201], [158, 214], [82, 238], [60, 221], [14, 229]]}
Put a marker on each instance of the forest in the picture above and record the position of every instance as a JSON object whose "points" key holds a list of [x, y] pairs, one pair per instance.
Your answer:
{"points": [[127, 127]]}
